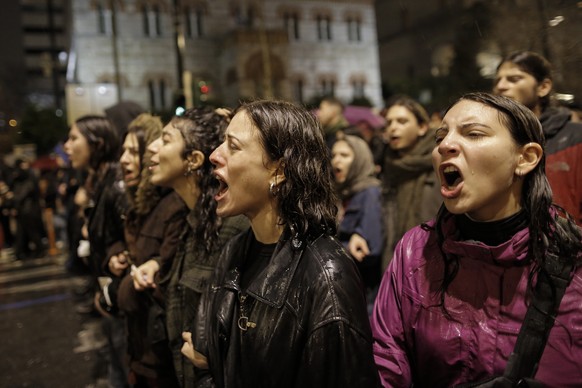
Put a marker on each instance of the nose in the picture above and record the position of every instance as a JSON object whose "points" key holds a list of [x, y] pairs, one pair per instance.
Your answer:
{"points": [[215, 156], [123, 159], [501, 85], [155, 145], [448, 145]]}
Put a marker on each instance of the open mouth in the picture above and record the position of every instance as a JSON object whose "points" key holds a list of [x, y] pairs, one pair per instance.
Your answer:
{"points": [[452, 176], [223, 188]]}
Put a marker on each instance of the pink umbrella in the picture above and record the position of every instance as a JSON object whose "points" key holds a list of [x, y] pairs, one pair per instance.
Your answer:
{"points": [[357, 114]]}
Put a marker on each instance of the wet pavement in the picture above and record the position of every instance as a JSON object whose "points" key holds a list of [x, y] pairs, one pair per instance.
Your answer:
{"points": [[44, 341]]}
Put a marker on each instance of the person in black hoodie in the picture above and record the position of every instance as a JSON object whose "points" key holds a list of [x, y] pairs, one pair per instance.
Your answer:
{"points": [[526, 77]]}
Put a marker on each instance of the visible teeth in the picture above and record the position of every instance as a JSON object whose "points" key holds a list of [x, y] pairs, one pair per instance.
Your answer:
{"points": [[450, 169]]}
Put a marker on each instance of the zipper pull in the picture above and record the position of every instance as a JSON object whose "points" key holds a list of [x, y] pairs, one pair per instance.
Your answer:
{"points": [[244, 324]]}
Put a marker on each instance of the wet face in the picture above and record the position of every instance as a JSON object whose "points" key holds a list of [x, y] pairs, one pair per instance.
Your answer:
{"points": [[167, 165], [130, 162], [342, 156], [402, 129], [243, 169], [475, 159], [77, 149], [518, 85]]}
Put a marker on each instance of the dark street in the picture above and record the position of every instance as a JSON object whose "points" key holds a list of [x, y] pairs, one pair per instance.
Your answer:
{"points": [[43, 340]]}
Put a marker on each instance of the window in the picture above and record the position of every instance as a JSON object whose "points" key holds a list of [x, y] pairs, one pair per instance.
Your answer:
{"points": [[157, 94], [104, 20], [194, 22], [244, 15], [151, 21], [327, 86], [354, 29], [358, 86], [323, 27], [292, 25]]}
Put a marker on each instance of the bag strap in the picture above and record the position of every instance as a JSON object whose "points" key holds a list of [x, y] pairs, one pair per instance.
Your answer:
{"points": [[539, 318]]}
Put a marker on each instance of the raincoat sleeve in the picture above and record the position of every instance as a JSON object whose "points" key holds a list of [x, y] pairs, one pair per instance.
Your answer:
{"points": [[371, 226], [388, 327]]}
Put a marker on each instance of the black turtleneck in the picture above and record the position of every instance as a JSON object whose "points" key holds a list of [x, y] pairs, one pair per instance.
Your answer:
{"points": [[491, 233]]}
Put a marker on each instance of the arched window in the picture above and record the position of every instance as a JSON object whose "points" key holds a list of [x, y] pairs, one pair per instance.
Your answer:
{"points": [[327, 85], [291, 20], [358, 83]]}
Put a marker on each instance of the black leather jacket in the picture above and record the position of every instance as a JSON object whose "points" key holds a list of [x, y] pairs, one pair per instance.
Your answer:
{"points": [[307, 320], [105, 218]]}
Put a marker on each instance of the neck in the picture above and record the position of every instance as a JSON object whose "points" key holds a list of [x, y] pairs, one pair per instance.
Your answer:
{"points": [[537, 110], [189, 191], [266, 226]]}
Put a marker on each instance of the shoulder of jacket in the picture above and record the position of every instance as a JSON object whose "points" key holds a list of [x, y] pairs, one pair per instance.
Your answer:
{"points": [[328, 254], [414, 244]]}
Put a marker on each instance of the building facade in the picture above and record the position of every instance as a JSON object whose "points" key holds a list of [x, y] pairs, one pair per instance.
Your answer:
{"points": [[223, 50], [434, 50]]}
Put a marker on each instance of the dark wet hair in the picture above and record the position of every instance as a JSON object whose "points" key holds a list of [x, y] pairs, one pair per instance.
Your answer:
{"points": [[202, 129], [547, 230], [535, 65], [102, 139], [292, 135], [412, 105]]}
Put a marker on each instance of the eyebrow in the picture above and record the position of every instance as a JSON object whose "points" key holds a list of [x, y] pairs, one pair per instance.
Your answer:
{"points": [[462, 126], [231, 136], [472, 124]]}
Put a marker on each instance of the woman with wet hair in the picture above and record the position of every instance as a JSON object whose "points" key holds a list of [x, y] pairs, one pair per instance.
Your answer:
{"points": [[285, 307], [454, 298], [180, 161]]}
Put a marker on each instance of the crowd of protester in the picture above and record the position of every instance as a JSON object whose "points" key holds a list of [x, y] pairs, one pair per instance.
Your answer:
{"points": [[271, 246]]}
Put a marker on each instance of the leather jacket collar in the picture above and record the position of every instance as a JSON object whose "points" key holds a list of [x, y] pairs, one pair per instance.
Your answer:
{"points": [[272, 285]]}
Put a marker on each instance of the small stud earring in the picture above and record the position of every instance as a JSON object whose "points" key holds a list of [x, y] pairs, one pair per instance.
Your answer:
{"points": [[189, 169]]}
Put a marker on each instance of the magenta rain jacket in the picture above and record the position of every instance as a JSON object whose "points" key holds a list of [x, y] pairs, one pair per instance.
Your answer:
{"points": [[415, 343]]}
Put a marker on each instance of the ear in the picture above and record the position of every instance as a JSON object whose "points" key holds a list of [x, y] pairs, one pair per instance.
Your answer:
{"points": [[278, 175], [530, 156], [544, 87], [195, 159], [422, 130]]}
